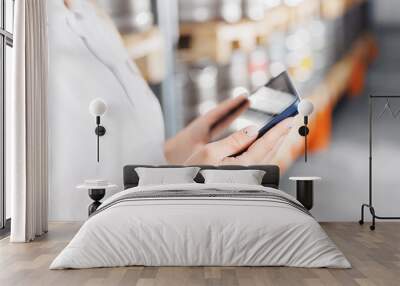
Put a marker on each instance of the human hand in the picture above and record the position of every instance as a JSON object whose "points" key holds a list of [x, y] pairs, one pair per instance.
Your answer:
{"points": [[260, 151], [203, 129]]}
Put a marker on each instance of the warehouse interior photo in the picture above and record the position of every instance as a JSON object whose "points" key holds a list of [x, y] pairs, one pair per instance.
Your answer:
{"points": [[199, 142]]}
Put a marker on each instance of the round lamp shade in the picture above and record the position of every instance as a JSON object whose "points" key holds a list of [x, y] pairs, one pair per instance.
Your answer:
{"points": [[97, 107], [240, 90], [305, 107]]}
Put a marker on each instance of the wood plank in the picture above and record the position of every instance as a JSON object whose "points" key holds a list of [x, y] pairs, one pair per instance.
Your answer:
{"points": [[375, 257]]}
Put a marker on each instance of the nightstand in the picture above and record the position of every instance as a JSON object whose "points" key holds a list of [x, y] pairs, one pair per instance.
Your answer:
{"points": [[304, 190], [96, 191]]}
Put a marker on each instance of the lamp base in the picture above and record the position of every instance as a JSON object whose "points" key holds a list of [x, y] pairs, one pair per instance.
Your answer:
{"points": [[96, 195], [303, 131], [100, 130]]}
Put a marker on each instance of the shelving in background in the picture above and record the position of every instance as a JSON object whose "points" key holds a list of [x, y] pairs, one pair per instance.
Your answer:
{"points": [[224, 45], [343, 77], [304, 37]]}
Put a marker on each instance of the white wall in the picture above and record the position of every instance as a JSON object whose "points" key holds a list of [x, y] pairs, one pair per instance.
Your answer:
{"points": [[386, 12]]}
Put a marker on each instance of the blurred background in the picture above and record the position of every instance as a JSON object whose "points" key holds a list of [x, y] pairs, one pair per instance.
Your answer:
{"points": [[196, 53], [211, 47]]}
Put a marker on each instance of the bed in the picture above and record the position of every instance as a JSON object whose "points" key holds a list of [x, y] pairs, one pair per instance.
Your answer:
{"points": [[198, 224]]}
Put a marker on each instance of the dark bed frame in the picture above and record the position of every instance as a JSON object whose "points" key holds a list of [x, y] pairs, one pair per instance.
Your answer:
{"points": [[270, 179]]}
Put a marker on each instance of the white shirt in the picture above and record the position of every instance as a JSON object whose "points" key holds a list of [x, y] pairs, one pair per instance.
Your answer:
{"points": [[87, 61]]}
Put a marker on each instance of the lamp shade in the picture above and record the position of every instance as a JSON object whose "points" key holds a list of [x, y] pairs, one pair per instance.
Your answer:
{"points": [[97, 107], [240, 90], [305, 107]]}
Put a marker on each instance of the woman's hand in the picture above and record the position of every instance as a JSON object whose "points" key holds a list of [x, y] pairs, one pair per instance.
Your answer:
{"points": [[203, 129], [259, 151]]}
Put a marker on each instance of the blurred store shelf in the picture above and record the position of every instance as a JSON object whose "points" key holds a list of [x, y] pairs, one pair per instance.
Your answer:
{"points": [[331, 9], [321, 43], [214, 39], [229, 44], [302, 11], [324, 96], [147, 50]]}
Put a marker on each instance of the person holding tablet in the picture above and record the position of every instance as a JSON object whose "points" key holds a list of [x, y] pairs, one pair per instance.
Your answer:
{"points": [[192, 145]]}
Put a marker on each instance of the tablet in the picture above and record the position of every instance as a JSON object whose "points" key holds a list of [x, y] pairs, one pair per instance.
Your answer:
{"points": [[273, 102]]}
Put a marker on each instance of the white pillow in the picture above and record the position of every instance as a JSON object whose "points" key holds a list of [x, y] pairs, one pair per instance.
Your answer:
{"points": [[247, 177], [165, 176]]}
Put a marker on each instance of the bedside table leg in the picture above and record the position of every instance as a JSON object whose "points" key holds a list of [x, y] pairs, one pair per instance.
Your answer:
{"points": [[93, 207], [96, 195], [304, 193]]}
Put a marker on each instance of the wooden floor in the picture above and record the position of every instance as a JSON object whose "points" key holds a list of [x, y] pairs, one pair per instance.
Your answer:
{"points": [[375, 257]]}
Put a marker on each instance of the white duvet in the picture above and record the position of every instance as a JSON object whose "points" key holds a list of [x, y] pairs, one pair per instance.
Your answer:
{"points": [[200, 231]]}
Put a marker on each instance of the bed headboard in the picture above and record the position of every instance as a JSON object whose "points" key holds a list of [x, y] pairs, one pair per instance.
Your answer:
{"points": [[271, 177]]}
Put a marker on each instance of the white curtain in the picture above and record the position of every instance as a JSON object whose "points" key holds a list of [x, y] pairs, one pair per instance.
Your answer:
{"points": [[26, 119]]}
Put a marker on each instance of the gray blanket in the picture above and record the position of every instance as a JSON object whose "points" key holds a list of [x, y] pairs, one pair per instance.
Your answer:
{"points": [[206, 194]]}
